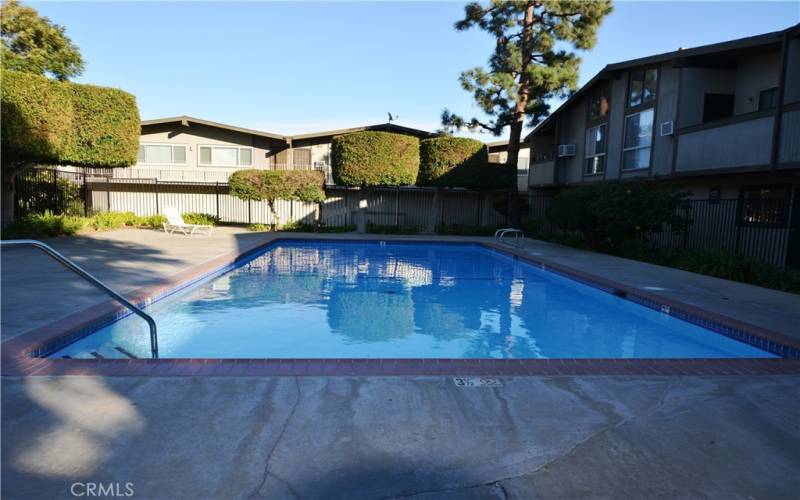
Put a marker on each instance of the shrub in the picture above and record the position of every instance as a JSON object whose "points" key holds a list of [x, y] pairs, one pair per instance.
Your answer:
{"points": [[259, 227], [64, 123], [113, 220], [451, 162], [200, 218], [152, 221], [374, 159], [271, 185], [44, 225], [611, 213]]}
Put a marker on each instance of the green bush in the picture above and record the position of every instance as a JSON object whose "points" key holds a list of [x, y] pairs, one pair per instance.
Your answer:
{"points": [[113, 220], [63, 123], [259, 228], [44, 225], [151, 221], [271, 185], [608, 214], [452, 162], [372, 158], [200, 218]]}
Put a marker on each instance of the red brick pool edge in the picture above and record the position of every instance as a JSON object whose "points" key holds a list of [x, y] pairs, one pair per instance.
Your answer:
{"points": [[19, 359]]}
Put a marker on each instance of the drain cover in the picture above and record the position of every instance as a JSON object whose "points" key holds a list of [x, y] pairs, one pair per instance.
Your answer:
{"points": [[477, 382]]}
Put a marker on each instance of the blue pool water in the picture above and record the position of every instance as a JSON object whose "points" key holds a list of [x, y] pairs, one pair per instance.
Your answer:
{"points": [[303, 299]]}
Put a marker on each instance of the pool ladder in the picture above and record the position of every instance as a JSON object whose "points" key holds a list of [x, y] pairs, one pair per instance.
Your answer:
{"points": [[519, 236], [151, 323]]}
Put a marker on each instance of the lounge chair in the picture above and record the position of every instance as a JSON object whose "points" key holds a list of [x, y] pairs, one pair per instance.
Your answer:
{"points": [[175, 223]]}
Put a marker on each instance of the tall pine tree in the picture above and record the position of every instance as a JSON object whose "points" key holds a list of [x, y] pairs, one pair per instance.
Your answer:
{"points": [[531, 64]]}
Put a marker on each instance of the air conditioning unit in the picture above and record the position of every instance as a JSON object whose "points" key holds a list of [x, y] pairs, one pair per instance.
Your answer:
{"points": [[566, 150], [667, 128]]}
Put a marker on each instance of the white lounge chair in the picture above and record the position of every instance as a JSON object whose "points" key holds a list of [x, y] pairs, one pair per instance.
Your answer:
{"points": [[175, 223]]}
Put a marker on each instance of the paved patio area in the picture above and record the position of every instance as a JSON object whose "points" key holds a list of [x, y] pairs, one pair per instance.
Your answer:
{"points": [[399, 437]]}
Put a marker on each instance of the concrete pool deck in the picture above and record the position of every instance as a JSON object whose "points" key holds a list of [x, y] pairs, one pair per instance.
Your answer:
{"points": [[397, 437]]}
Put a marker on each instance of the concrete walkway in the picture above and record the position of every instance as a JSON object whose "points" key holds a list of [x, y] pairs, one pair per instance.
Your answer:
{"points": [[562, 437], [533, 437]]}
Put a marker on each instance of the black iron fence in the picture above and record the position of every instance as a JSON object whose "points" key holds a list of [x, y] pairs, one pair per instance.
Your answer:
{"points": [[768, 229]]}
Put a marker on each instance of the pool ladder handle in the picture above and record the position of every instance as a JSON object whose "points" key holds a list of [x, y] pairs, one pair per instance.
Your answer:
{"points": [[519, 236], [151, 323]]}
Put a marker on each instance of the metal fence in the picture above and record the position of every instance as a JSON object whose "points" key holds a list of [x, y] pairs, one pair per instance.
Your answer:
{"points": [[85, 193], [768, 229]]}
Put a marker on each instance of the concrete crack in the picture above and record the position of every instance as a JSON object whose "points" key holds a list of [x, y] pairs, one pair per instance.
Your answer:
{"points": [[267, 472]]}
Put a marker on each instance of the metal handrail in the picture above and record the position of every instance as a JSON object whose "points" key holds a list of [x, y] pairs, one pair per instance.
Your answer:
{"points": [[518, 234], [94, 281]]}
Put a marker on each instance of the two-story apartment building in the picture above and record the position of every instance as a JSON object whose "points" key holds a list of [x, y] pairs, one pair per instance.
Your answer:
{"points": [[723, 119], [185, 148]]}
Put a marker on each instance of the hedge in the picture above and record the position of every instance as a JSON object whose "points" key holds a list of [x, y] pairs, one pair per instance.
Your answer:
{"points": [[62, 123], [452, 162], [270, 185], [375, 159]]}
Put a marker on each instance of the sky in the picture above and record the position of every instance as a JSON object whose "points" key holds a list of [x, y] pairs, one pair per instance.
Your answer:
{"points": [[298, 67]]}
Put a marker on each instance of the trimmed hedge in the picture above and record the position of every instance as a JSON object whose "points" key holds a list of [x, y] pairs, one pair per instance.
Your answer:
{"points": [[270, 185], [452, 162], [375, 159], [63, 123]]}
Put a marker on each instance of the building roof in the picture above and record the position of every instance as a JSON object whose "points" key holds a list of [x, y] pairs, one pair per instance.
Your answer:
{"points": [[683, 57], [187, 120], [388, 127]]}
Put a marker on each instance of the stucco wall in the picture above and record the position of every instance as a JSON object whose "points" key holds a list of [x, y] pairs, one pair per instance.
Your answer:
{"points": [[197, 135]]}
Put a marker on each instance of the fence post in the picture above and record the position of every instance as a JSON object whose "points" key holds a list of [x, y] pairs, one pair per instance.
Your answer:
{"points": [[249, 212], [686, 228], [85, 192], [216, 192], [397, 206], [156, 184]]}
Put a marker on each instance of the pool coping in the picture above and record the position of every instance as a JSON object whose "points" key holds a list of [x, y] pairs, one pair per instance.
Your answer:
{"points": [[19, 354]]}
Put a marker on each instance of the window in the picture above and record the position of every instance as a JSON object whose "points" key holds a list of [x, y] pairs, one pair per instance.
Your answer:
{"points": [[717, 107], [596, 149], [642, 87], [162, 154], [598, 104], [638, 139], [764, 206], [768, 98], [225, 156]]}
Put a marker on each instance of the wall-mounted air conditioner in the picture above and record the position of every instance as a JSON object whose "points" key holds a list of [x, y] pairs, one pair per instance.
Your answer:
{"points": [[667, 128], [566, 150]]}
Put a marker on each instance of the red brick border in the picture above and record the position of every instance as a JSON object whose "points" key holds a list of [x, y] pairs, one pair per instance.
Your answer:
{"points": [[18, 361]]}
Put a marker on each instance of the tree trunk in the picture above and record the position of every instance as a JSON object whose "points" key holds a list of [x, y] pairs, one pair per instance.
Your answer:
{"points": [[8, 199], [433, 214], [10, 171], [361, 215], [521, 105], [275, 217]]}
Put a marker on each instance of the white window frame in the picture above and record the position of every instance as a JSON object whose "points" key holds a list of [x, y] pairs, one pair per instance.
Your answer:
{"points": [[588, 156], [649, 146], [171, 153], [225, 146]]}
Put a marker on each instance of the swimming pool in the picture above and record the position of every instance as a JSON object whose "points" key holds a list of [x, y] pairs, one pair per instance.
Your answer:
{"points": [[347, 299]]}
